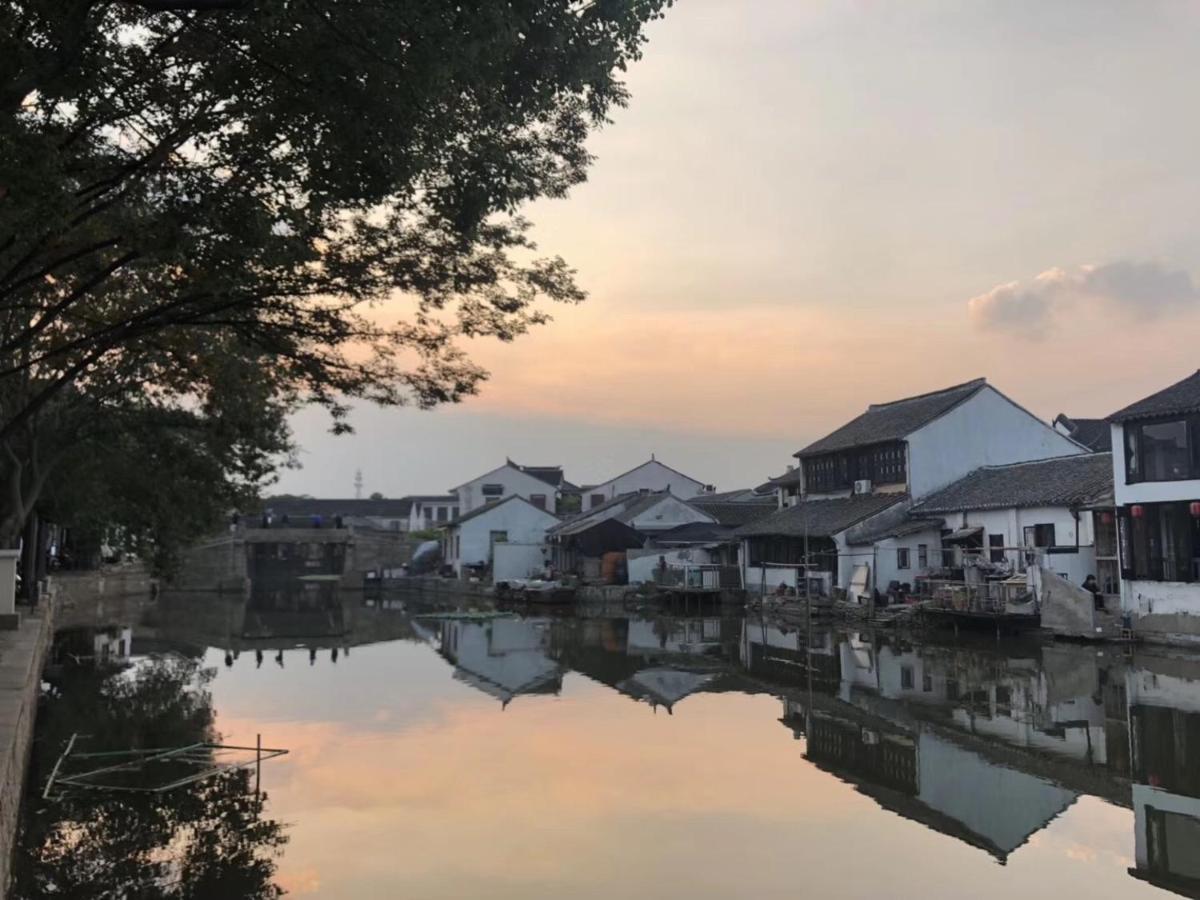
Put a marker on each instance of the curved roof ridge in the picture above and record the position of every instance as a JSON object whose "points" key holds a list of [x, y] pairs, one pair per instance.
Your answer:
{"points": [[974, 382], [1041, 460]]}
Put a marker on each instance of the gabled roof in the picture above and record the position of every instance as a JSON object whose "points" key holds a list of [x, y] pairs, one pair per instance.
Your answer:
{"points": [[488, 507], [1092, 433], [398, 508], [1082, 480], [551, 475], [652, 459], [624, 508], [895, 420], [820, 518], [1181, 397]]}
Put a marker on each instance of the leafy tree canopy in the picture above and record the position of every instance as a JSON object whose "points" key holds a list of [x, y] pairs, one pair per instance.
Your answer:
{"points": [[181, 186]]}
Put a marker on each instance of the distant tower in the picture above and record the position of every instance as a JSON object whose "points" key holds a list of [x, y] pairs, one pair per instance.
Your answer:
{"points": [[358, 484]]}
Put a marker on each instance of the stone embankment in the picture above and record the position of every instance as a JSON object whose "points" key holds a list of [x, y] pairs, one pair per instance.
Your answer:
{"points": [[22, 656]]}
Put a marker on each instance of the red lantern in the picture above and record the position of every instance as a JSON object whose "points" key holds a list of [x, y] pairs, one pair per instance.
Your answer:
{"points": [[1106, 518], [1194, 509], [1137, 511]]}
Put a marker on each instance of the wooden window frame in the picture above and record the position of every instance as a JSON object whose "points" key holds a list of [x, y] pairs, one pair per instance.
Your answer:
{"points": [[1133, 435]]}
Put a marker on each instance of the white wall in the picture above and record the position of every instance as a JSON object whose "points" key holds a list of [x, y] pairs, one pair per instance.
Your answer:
{"points": [[518, 561], [985, 430], [1004, 805], [643, 563], [523, 523], [887, 559], [1012, 523], [650, 476], [1160, 598], [513, 480]]}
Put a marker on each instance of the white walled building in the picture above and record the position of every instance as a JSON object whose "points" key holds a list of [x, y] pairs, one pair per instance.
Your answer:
{"points": [[876, 466], [502, 657], [1001, 513], [1156, 473], [921, 444], [650, 477], [470, 540], [543, 486]]}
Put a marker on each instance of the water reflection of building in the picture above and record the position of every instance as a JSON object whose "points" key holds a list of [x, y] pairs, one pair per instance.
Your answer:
{"points": [[502, 657], [785, 656], [928, 777], [1164, 729], [659, 661]]}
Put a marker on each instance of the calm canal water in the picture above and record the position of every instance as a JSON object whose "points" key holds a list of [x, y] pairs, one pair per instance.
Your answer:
{"points": [[609, 754]]}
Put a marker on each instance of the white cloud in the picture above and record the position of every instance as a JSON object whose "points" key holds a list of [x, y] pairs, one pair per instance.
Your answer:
{"points": [[1144, 289]]}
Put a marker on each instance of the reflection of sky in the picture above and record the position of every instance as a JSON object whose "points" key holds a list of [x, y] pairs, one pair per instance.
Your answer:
{"points": [[405, 782]]}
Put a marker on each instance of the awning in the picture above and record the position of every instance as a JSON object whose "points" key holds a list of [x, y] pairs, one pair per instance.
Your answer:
{"points": [[963, 534]]}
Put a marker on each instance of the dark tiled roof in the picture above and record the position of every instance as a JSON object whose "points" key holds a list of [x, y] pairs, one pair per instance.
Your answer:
{"points": [[899, 529], [895, 420], [552, 475], [695, 533], [1082, 480], [743, 495], [787, 479], [734, 513], [309, 506], [1181, 397], [1092, 433], [821, 518]]}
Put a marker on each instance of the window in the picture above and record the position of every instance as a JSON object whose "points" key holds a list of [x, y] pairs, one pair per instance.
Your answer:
{"points": [[1161, 544], [922, 556], [597, 499], [996, 547], [1166, 450], [927, 683], [902, 558], [879, 464], [538, 500], [906, 678], [443, 514], [492, 491], [1039, 535]]}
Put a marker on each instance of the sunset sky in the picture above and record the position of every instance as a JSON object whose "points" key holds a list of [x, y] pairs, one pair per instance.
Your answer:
{"points": [[809, 207]]}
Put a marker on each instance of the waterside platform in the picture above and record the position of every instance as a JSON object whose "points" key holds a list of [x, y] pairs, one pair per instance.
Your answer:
{"points": [[22, 655]]}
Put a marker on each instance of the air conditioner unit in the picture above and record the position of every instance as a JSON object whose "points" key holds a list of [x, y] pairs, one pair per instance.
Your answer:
{"points": [[862, 487]]}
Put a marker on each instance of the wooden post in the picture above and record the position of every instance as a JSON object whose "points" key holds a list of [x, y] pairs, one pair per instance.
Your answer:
{"points": [[8, 589]]}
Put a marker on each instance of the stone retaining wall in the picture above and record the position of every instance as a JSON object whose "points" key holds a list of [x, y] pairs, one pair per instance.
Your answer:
{"points": [[22, 655]]}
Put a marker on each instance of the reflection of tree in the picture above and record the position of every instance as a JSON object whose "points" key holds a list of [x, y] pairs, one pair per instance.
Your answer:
{"points": [[206, 840]]}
